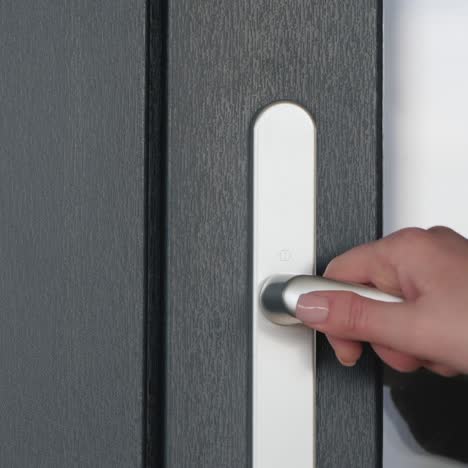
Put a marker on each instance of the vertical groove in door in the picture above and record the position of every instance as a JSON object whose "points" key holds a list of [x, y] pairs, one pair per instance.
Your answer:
{"points": [[156, 115]]}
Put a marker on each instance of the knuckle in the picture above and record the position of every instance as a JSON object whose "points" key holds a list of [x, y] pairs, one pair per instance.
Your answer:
{"points": [[412, 236], [441, 230], [415, 240], [357, 317]]}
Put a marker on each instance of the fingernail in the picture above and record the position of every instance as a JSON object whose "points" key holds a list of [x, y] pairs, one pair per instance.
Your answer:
{"points": [[311, 308]]}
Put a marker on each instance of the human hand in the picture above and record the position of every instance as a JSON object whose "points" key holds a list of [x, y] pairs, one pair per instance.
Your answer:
{"points": [[429, 270]]}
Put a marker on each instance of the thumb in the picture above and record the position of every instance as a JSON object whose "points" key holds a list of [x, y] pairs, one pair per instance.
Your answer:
{"points": [[349, 316]]}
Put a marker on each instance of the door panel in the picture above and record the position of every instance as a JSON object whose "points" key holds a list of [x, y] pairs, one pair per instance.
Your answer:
{"points": [[72, 230], [226, 61]]}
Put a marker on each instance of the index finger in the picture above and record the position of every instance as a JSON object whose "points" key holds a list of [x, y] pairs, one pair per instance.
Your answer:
{"points": [[366, 264]]}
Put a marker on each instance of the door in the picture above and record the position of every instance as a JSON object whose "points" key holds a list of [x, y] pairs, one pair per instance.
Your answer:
{"points": [[126, 236], [223, 63]]}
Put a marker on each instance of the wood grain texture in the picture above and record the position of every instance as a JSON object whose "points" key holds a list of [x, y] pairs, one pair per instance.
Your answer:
{"points": [[226, 60], [72, 303]]}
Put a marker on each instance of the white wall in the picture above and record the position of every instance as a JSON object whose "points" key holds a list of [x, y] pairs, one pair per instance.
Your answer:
{"points": [[425, 146], [426, 113]]}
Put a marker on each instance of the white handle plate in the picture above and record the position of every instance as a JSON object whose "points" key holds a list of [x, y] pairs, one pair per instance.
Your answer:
{"points": [[284, 152]]}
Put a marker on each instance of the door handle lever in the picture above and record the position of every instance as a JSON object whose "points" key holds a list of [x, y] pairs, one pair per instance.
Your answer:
{"points": [[280, 294]]}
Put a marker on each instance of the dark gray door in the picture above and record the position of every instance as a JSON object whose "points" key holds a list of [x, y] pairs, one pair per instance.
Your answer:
{"points": [[225, 61], [72, 233], [125, 221]]}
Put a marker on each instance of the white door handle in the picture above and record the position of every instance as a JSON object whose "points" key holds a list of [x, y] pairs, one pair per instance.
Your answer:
{"points": [[280, 294]]}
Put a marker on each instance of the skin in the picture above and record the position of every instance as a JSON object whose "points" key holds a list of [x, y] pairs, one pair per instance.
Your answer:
{"points": [[429, 270]]}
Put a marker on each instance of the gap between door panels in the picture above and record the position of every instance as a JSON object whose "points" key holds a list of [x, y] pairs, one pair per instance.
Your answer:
{"points": [[155, 242]]}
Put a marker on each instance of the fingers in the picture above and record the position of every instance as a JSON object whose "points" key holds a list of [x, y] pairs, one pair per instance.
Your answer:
{"points": [[446, 234], [397, 360], [403, 335], [392, 329], [442, 231], [381, 262], [352, 317], [442, 370], [404, 363], [347, 352], [366, 264]]}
